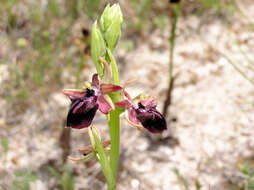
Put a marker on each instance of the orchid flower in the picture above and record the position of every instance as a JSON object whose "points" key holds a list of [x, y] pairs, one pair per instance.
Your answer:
{"points": [[143, 114], [85, 103]]}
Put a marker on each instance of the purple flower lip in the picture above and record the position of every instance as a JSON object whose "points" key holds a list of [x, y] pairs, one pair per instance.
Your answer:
{"points": [[144, 115], [150, 118], [85, 103], [82, 110]]}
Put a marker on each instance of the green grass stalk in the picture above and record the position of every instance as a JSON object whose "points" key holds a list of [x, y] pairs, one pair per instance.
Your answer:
{"points": [[237, 68], [172, 41], [171, 58]]}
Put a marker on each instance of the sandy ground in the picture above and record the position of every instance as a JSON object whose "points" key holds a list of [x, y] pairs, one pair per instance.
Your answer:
{"points": [[212, 107]]}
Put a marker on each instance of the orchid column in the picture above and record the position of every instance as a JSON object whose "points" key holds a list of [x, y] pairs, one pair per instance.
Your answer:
{"points": [[104, 39]]}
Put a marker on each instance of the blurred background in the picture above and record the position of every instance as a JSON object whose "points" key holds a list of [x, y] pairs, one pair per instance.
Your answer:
{"points": [[45, 47]]}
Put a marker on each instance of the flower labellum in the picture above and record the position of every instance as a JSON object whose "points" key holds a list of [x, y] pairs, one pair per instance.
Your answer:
{"points": [[82, 110], [150, 118]]}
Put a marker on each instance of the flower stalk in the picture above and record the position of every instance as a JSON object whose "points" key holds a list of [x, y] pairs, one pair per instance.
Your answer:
{"points": [[114, 131], [110, 24], [114, 120], [176, 9]]}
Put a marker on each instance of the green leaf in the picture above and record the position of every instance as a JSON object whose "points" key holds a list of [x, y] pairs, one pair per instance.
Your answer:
{"points": [[98, 48], [102, 157]]}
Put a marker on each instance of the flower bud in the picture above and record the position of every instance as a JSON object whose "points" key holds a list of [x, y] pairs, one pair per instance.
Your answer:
{"points": [[110, 22], [98, 48]]}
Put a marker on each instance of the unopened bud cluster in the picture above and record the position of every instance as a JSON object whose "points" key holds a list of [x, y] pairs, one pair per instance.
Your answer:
{"points": [[106, 35]]}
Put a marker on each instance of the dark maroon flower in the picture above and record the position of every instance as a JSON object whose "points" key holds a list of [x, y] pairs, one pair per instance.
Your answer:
{"points": [[85, 103], [145, 114]]}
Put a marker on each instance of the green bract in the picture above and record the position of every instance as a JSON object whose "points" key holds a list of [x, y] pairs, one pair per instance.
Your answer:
{"points": [[110, 23], [98, 48]]}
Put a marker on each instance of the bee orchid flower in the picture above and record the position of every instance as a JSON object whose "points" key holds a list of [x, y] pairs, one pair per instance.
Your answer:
{"points": [[143, 114], [85, 103]]}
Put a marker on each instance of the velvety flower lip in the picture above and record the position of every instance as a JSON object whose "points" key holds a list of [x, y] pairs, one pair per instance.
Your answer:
{"points": [[150, 118], [82, 110], [145, 114], [85, 103]]}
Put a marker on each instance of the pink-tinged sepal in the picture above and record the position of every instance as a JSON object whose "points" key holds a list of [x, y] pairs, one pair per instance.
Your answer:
{"points": [[123, 104], [128, 82], [126, 94], [109, 88], [95, 80], [131, 117], [149, 102], [73, 93], [104, 105]]}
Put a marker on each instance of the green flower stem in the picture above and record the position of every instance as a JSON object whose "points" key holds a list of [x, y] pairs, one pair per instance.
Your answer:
{"points": [[167, 103], [114, 120], [103, 43], [114, 130]]}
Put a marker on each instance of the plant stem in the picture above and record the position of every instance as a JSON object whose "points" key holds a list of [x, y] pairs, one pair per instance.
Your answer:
{"points": [[171, 57], [114, 120], [172, 40], [114, 130]]}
